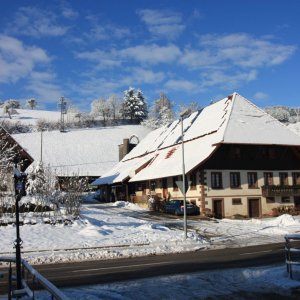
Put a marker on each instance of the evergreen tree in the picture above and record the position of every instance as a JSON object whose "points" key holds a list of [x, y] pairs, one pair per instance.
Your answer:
{"points": [[134, 105], [36, 180]]}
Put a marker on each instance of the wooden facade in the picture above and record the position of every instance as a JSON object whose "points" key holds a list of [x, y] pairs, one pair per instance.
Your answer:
{"points": [[246, 180]]}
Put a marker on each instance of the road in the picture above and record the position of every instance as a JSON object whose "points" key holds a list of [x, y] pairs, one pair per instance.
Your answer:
{"points": [[97, 272]]}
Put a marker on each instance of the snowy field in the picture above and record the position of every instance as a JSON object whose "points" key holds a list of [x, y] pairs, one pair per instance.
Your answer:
{"points": [[123, 230]]}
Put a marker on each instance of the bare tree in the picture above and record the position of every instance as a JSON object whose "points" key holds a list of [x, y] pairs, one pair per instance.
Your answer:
{"points": [[114, 103], [32, 103], [101, 108]]}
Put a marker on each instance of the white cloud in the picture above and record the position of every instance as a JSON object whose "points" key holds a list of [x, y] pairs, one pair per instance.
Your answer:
{"points": [[261, 96], [243, 50], [68, 12], [44, 90], [151, 54], [182, 85], [104, 31], [162, 23], [145, 54], [18, 60], [196, 59], [103, 59], [228, 80], [32, 21], [140, 75]]}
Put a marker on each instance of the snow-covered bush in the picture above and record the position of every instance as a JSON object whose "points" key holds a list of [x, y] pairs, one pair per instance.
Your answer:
{"points": [[41, 186], [72, 198]]}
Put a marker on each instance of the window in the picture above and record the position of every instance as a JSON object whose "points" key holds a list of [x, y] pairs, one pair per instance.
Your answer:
{"points": [[236, 201], [152, 185], [252, 180], [164, 183], [235, 180], [144, 187], [175, 187], [216, 180], [283, 178], [268, 178], [296, 178], [270, 199], [193, 179], [285, 199]]}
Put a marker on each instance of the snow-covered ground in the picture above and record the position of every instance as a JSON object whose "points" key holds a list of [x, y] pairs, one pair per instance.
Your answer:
{"points": [[121, 230], [105, 229], [251, 283]]}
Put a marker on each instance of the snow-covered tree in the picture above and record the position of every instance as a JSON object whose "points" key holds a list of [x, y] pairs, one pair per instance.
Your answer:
{"points": [[101, 108], [32, 103], [36, 180], [279, 112], [192, 107], [134, 105], [7, 155], [13, 103], [115, 106], [160, 114], [9, 107]]}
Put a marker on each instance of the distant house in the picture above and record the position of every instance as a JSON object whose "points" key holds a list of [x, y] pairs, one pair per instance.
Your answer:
{"points": [[12, 153], [238, 159], [81, 153]]}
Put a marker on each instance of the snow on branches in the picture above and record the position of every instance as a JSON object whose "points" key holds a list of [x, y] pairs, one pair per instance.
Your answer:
{"points": [[134, 106]]}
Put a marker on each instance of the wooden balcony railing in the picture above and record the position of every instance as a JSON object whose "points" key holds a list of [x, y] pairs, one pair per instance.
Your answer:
{"points": [[280, 190]]}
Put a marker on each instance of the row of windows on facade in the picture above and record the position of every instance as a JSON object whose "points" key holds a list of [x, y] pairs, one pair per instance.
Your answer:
{"points": [[235, 179], [284, 199]]}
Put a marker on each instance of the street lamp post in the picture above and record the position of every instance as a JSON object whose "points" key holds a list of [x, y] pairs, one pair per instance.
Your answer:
{"points": [[183, 115], [19, 192]]}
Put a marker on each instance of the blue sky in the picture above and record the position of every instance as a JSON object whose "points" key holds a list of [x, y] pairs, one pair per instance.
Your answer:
{"points": [[193, 50]]}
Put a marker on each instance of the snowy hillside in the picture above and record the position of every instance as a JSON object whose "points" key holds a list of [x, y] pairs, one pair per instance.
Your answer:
{"points": [[84, 152], [30, 116]]}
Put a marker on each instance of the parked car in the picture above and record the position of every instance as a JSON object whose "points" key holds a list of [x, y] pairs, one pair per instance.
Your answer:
{"points": [[175, 206]]}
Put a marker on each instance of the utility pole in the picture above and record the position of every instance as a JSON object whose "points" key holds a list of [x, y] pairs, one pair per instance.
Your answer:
{"points": [[62, 104], [183, 115]]}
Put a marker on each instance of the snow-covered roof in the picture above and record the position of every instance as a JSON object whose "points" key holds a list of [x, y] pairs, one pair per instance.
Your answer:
{"points": [[82, 152], [233, 119], [10, 141]]}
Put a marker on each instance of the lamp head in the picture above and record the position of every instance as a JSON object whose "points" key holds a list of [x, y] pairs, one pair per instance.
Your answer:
{"points": [[185, 113]]}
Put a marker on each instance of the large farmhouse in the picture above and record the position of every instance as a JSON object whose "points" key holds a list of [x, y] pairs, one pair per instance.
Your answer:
{"points": [[238, 159]]}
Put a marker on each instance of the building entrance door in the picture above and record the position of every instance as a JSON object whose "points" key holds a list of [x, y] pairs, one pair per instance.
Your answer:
{"points": [[165, 188], [253, 208], [297, 202], [218, 208]]}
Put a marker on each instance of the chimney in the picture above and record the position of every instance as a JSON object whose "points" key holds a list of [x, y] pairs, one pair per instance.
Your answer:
{"points": [[124, 149]]}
